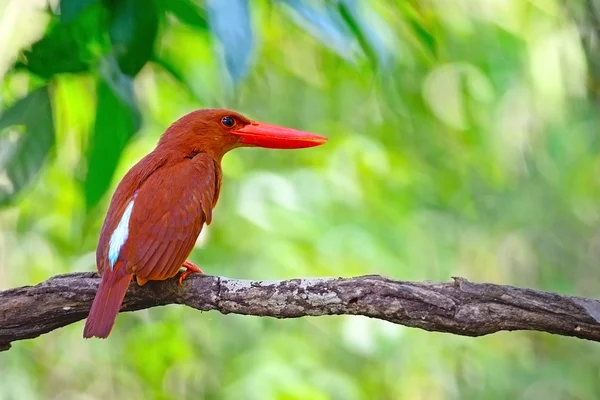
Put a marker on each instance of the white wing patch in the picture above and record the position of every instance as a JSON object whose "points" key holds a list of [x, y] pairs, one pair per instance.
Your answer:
{"points": [[119, 236]]}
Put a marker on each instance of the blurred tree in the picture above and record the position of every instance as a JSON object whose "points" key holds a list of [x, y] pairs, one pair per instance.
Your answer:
{"points": [[586, 14]]}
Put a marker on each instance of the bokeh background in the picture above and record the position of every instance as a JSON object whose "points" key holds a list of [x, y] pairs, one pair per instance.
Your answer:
{"points": [[464, 141]]}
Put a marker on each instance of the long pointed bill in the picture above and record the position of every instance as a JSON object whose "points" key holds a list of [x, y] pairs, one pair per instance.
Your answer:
{"points": [[276, 137]]}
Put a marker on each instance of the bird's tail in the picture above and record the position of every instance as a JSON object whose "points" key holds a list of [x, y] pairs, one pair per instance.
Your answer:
{"points": [[107, 303]]}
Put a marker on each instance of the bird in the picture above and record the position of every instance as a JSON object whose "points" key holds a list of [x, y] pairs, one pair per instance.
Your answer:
{"points": [[161, 204]]}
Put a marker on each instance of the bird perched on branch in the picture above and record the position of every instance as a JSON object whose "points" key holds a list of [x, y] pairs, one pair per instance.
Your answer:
{"points": [[162, 203]]}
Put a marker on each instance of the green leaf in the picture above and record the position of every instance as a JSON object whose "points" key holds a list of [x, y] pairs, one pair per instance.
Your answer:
{"points": [[117, 120], [68, 47], [172, 69], [229, 20], [422, 26], [133, 29], [362, 21], [325, 24], [70, 9], [187, 11], [25, 147]]}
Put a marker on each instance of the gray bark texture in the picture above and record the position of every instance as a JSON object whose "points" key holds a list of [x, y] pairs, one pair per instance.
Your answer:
{"points": [[459, 307]]}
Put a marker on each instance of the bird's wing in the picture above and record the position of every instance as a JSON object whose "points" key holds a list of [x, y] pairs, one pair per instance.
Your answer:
{"points": [[166, 215], [130, 183]]}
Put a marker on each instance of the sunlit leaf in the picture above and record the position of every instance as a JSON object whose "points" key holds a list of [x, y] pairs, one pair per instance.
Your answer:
{"points": [[26, 137], [171, 69], [133, 28], [117, 120], [187, 11], [325, 24], [229, 20], [189, 61], [69, 9]]}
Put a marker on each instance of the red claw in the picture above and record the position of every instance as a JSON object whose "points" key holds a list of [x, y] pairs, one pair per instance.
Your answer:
{"points": [[190, 268]]}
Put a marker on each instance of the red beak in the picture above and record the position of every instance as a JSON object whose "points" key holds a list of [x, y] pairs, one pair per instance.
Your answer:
{"points": [[276, 137]]}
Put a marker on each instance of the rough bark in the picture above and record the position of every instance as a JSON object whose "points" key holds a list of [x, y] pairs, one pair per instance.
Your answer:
{"points": [[460, 307]]}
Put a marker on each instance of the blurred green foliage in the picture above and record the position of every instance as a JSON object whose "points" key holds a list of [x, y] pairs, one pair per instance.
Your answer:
{"points": [[463, 141]]}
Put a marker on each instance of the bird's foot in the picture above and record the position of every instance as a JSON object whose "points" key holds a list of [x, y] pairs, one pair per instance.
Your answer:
{"points": [[190, 268]]}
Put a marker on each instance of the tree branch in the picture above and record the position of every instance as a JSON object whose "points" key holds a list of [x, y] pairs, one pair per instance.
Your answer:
{"points": [[459, 307]]}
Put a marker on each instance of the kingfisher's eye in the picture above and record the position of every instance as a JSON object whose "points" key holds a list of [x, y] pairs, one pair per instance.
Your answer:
{"points": [[228, 122]]}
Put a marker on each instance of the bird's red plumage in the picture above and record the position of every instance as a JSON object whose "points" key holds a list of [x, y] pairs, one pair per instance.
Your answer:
{"points": [[106, 305], [171, 205], [169, 212], [162, 203]]}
